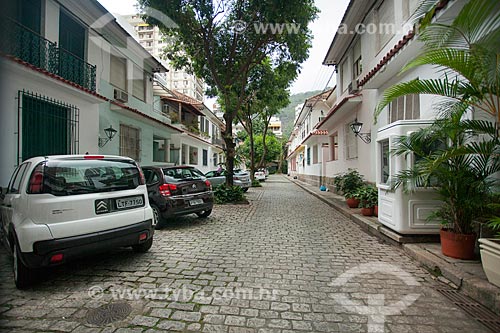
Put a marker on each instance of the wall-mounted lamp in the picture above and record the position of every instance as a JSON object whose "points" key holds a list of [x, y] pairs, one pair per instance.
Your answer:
{"points": [[356, 128], [110, 134]]}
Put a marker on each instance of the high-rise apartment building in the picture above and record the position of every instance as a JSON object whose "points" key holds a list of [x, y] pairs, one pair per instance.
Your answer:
{"points": [[155, 42]]}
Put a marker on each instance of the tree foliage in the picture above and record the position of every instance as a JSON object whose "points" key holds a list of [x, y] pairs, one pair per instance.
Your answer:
{"points": [[273, 148], [207, 43]]}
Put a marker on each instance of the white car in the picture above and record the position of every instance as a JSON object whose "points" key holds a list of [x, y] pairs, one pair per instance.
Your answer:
{"points": [[260, 176], [58, 208]]}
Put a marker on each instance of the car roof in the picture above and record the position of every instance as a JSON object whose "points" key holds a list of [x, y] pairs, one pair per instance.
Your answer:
{"points": [[168, 166], [75, 157]]}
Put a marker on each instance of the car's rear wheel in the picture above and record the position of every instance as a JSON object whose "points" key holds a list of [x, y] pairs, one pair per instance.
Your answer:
{"points": [[245, 189], [23, 276], [157, 219], [204, 213], [143, 247]]}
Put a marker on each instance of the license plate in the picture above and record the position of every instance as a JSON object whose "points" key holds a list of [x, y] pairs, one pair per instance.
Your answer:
{"points": [[195, 202], [130, 202]]}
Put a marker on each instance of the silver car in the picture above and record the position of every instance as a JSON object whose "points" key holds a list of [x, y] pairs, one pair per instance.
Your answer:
{"points": [[240, 178]]}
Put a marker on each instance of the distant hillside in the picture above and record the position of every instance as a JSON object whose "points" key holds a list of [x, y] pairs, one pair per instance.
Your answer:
{"points": [[287, 115]]}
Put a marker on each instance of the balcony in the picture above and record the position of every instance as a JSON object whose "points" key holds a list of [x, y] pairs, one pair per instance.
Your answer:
{"points": [[29, 46]]}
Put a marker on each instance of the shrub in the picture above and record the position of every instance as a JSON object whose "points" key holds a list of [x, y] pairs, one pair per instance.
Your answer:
{"points": [[348, 183], [367, 195], [224, 194], [256, 183]]}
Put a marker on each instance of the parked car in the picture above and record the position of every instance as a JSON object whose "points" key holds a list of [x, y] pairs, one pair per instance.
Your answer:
{"points": [[241, 178], [58, 208], [260, 175], [177, 190]]}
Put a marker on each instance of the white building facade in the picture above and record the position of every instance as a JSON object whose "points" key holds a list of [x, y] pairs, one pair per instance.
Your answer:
{"points": [[367, 64]]}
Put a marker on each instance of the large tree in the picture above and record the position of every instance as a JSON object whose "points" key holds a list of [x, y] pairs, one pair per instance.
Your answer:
{"points": [[267, 92], [222, 41]]}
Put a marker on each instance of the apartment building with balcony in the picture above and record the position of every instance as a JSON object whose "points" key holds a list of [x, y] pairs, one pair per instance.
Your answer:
{"points": [[69, 72], [200, 143], [366, 65], [306, 145], [275, 126], [155, 42]]}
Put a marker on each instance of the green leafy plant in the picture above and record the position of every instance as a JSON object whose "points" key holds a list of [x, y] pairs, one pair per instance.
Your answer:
{"points": [[228, 194], [256, 183], [348, 183], [367, 195]]}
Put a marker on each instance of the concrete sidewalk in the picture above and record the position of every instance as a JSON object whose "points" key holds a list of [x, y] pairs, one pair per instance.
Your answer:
{"points": [[465, 275]]}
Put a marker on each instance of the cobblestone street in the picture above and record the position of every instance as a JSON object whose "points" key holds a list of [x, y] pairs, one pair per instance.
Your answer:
{"points": [[286, 262]]}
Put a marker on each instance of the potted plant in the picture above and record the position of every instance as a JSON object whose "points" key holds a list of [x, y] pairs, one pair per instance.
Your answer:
{"points": [[368, 197], [348, 184]]}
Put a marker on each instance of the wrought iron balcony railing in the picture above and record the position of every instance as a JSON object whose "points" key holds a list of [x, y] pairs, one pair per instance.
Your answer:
{"points": [[20, 42]]}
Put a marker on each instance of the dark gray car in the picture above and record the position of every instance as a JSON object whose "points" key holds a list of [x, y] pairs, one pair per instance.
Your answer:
{"points": [[240, 178]]}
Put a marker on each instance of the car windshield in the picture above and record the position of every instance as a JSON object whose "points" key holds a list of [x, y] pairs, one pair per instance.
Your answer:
{"points": [[182, 174], [69, 177]]}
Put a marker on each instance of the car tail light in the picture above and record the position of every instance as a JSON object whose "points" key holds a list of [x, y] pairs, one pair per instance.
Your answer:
{"points": [[143, 236], [36, 180], [93, 157], [56, 258], [165, 189], [208, 184], [142, 179]]}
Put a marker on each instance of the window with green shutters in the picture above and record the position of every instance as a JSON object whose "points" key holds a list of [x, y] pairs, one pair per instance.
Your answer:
{"points": [[48, 126]]}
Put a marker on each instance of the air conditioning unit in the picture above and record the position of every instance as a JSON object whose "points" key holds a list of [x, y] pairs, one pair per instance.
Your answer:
{"points": [[353, 87], [120, 95]]}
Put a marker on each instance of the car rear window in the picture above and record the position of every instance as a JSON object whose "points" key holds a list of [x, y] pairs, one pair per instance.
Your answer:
{"points": [[176, 174], [69, 177]]}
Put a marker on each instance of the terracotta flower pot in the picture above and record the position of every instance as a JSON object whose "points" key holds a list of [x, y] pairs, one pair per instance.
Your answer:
{"points": [[457, 246], [352, 202], [367, 211], [375, 210]]}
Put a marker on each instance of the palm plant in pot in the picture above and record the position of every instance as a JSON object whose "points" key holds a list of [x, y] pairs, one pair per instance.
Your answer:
{"points": [[458, 154], [348, 184], [368, 197]]}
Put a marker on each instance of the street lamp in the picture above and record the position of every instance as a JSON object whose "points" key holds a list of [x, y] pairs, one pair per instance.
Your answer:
{"points": [[110, 134], [356, 128]]}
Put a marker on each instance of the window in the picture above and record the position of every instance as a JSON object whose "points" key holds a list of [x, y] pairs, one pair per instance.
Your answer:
{"points": [[118, 76], [351, 143], [345, 75], [214, 157], [130, 142], [384, 160], [357, 66], [404, 108], [159, 149], [193, 155], [315, 154], [138, 83], [385, 20], [151, 176], [334, 146], [205, 157], [308, 156], [18, 177]]}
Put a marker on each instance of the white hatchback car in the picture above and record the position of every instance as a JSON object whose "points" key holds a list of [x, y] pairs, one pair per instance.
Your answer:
{"points": [[260, 175], [58, 208]]}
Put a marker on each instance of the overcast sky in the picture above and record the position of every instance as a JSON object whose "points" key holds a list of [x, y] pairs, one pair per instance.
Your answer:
{"points": [[313, 76]]}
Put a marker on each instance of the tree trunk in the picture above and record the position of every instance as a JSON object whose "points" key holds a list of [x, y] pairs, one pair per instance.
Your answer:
{"points": [[228, 139], [264, 146], [252, 155]]}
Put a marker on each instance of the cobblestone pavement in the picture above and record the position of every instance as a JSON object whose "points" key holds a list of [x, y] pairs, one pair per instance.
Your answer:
{"points": [[283, 263]]}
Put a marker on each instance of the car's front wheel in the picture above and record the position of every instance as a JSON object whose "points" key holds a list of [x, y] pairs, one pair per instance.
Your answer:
{"points": [[157, 219], [143, 247], [23, 276], [204, 213]]}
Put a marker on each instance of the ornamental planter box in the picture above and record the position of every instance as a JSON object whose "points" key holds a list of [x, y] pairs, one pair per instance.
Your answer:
{"points": [[490, 257]]}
